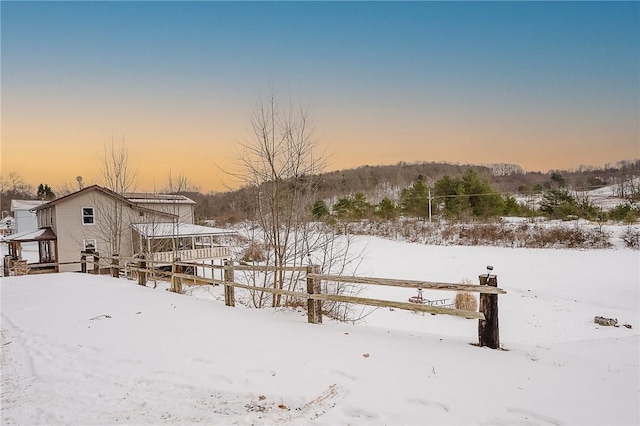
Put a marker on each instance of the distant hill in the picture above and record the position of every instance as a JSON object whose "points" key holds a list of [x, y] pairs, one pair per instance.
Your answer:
{"points": [[380, 181]]}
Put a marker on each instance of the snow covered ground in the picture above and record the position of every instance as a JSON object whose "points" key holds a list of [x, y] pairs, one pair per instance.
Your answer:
{"points": [[606, 197], [81, 349]]}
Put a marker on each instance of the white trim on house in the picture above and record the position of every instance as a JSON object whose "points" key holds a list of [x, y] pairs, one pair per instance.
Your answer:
{"points": [[85, 216], [90, 244]]}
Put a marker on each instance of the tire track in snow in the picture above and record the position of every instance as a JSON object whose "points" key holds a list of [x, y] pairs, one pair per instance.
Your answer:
{"points": [[18, 380]]}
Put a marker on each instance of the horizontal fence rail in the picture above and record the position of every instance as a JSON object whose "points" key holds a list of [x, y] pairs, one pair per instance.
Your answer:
{"points": [[399, 305], [487, 316], [424, 285]]}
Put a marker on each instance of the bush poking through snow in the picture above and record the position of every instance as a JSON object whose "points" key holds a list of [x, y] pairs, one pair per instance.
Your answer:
{"points": [[254, 253], [466, 301], [631, 238], [498, 233]]}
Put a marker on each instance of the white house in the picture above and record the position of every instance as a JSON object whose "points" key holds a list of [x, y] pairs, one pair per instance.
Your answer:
{"points": [[7, 226], [95, 219], [23, 214]]}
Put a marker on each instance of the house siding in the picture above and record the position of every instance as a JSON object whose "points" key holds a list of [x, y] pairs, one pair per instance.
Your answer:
{"points": [[25, 221], [71, 232], [185, 212]]}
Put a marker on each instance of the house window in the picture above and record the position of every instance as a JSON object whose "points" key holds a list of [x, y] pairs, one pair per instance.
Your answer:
{"points": [[89, 245], [88, 216]]}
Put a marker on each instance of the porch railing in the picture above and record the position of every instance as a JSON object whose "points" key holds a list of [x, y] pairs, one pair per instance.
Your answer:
{"points": [[192, 254]]}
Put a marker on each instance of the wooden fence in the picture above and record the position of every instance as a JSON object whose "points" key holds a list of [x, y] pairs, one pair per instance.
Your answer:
{"points": [[142, 270], [487, 316]]}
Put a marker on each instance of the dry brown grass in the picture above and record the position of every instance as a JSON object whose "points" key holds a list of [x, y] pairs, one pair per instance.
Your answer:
{"points": [[254, 253], [465, 300]]}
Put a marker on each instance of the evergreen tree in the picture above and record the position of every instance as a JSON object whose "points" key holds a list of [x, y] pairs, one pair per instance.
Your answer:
{"points": [[468, 196], [352, 208], [386, 209], [511, 206], [558, 204], [342, 208], [483, 200], [414, 201], [45, 192], [361, 209], [320, 210], [452, 195]]}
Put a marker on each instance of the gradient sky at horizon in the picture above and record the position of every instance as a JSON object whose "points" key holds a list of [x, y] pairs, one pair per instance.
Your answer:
{"points": [[545, 85]]}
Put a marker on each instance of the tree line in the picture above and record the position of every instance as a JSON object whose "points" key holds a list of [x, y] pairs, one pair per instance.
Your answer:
{"points": [[469, 197], [387, 192]]}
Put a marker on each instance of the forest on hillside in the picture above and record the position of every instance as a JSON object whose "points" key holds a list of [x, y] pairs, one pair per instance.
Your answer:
{"points": [[375, 184], [388, 181]]}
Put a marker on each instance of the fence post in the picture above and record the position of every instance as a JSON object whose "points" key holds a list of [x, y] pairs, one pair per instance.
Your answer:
{"points": [[488, 330], [314, 307], [176, 282], [83, 263], [229, 291], [96, 263], [115, 266], [142, 273]]}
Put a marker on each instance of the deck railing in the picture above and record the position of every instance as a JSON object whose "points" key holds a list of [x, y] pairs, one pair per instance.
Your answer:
{"points": [[218, 252]]}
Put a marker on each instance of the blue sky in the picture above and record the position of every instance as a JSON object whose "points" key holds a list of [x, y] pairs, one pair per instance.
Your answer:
{"points": [[541, 84]]}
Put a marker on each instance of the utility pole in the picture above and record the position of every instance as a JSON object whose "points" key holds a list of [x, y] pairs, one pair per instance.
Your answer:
{"points": [[429, 203]]}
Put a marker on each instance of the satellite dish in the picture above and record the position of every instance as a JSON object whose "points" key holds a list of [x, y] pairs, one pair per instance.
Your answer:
{"points": [[79, 179]]}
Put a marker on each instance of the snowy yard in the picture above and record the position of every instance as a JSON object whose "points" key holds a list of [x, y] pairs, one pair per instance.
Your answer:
{"points": [[82, 349]]}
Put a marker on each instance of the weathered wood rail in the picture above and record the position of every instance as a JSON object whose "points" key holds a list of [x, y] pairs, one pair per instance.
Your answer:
{"points": [[409, 283], [487, 316], [142, 270]]}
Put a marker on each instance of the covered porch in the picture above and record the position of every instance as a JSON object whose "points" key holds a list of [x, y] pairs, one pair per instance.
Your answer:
{"points": [[163, 243], [15, 264]]}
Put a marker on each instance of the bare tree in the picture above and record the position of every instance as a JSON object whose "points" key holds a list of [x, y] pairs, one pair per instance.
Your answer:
{"points": [[120, 176], [179, 184], [69, 187], [13, 186], [279, 164], [280, 168]]}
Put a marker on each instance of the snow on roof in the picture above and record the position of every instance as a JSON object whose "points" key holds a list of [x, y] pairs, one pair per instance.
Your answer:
{"points": [[24, 204], [168, 230], [159, 198], [43, 234]]}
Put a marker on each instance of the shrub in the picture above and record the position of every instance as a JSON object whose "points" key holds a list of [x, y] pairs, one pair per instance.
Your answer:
{"points": [[466, 301], [627, 213], [631, 238], [254, 253]]}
